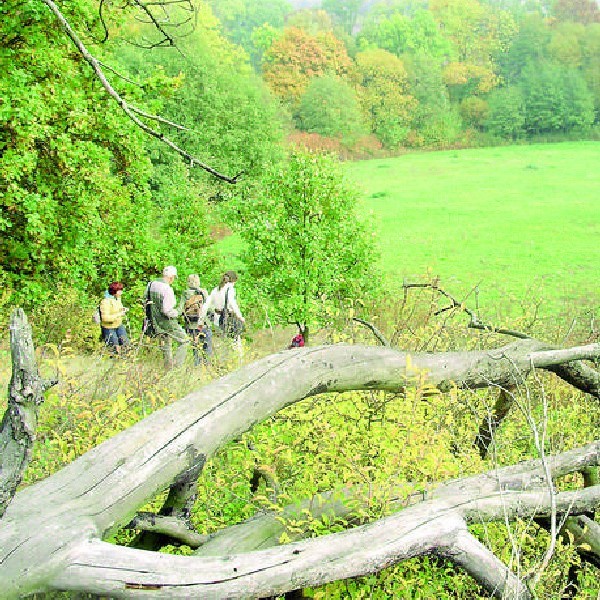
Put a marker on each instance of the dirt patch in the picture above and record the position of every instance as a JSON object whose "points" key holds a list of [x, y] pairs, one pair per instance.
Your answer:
{"points": [[218, 232]]}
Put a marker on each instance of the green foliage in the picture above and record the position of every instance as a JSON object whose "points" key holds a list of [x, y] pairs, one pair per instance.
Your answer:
{"points": [[306, 211], [555, 99], [242, 18], [384, 95], [527, 46], [330, 108], [230, 116], [87, 197], [506, 116], [73, 168], [473, 111], [400, 34]]}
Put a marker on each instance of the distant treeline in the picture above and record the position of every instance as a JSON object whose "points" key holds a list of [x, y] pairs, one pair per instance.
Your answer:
{"points": [[418, 73]]}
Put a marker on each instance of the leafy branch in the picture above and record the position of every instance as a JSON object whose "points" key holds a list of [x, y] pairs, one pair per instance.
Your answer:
{"points": [[131, 111]]}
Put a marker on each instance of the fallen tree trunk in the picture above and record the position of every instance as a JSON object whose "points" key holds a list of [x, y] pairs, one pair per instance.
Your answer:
{"points": [[50, 536]]}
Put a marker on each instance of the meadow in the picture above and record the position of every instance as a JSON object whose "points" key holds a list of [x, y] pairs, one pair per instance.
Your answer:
{"points": [[519, 221]]}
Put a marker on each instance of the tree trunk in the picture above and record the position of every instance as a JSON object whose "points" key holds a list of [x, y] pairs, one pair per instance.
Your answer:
{"points": [[26, 393], [50, 536]]}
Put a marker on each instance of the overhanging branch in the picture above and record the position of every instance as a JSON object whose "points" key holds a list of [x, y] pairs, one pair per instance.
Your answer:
{"points": [[129, 110]]}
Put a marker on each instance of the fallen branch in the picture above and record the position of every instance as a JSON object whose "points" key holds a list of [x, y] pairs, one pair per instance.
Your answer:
{"points": [[50, 536]]}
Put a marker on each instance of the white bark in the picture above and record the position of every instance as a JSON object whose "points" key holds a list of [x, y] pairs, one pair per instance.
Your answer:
{"points": [[49, 537]]}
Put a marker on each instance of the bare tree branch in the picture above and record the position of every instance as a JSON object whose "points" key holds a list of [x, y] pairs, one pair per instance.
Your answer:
{"points": [[376, 332], [484, 566], [172, 528], [127, 109]]}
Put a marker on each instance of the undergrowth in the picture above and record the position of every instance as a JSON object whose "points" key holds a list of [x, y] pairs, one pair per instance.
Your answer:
{"points": [[385, 445]]}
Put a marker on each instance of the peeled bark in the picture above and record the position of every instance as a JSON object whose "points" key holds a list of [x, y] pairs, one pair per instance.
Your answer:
{"points": [[50, 536]]}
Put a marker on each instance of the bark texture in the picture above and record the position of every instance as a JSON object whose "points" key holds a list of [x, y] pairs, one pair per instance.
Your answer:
{"points": [[25, 394], [50, 536]]}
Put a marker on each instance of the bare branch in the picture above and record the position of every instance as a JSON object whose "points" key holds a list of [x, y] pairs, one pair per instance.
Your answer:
{"points": [[101, 17], [127, 109], [484, 566], [169, 527], [144, 7], [120, 75], [161, 120], [547, 358], [376, 332]]}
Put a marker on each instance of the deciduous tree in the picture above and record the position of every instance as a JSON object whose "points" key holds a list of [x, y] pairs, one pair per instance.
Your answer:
{"points": [[306, 211], [330, 108], [296, 57], [385, 96], [401, 34], [74, 171]]}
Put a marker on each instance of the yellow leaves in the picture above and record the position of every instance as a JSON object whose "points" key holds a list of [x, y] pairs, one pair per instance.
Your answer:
{"points": [[284, 538], [460, 73]]}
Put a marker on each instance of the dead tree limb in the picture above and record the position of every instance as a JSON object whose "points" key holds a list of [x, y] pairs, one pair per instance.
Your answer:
{"points": [[382, 339], [51, 534], [172, 528], [491, 421], [26, 393]]}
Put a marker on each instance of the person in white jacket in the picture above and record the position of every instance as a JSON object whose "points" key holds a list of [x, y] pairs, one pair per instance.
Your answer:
{"points": [[222, 302]]}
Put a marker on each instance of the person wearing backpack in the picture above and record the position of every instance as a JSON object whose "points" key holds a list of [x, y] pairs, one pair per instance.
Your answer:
{"points": [[162, 315], [191, 306], [112, 312], [222, 302]]}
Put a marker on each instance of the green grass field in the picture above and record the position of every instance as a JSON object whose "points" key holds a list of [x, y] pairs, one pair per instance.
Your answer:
{"points": [[519, 221]]}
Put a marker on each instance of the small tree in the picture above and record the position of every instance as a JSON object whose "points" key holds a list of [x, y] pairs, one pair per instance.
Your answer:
{"points": [[306, 247], [330, 107], [506, 116]]}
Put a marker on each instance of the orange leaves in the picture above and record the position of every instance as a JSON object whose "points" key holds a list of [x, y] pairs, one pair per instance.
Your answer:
{"points": [[297, 57]]}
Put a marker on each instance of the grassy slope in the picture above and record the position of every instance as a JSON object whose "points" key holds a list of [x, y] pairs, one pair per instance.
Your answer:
{"points": [[518, 219]]}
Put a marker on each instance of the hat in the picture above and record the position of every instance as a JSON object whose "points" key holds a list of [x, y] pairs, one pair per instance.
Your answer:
{"points": [[170, 271]]}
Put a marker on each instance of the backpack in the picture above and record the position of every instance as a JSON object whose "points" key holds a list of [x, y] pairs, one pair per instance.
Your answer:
{"points": [[148, 324], [228, 322], [192, 309], [297, 341]]}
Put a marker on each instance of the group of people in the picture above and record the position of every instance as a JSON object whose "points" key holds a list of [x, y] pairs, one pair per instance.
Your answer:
{"points": [[200, 312]]}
